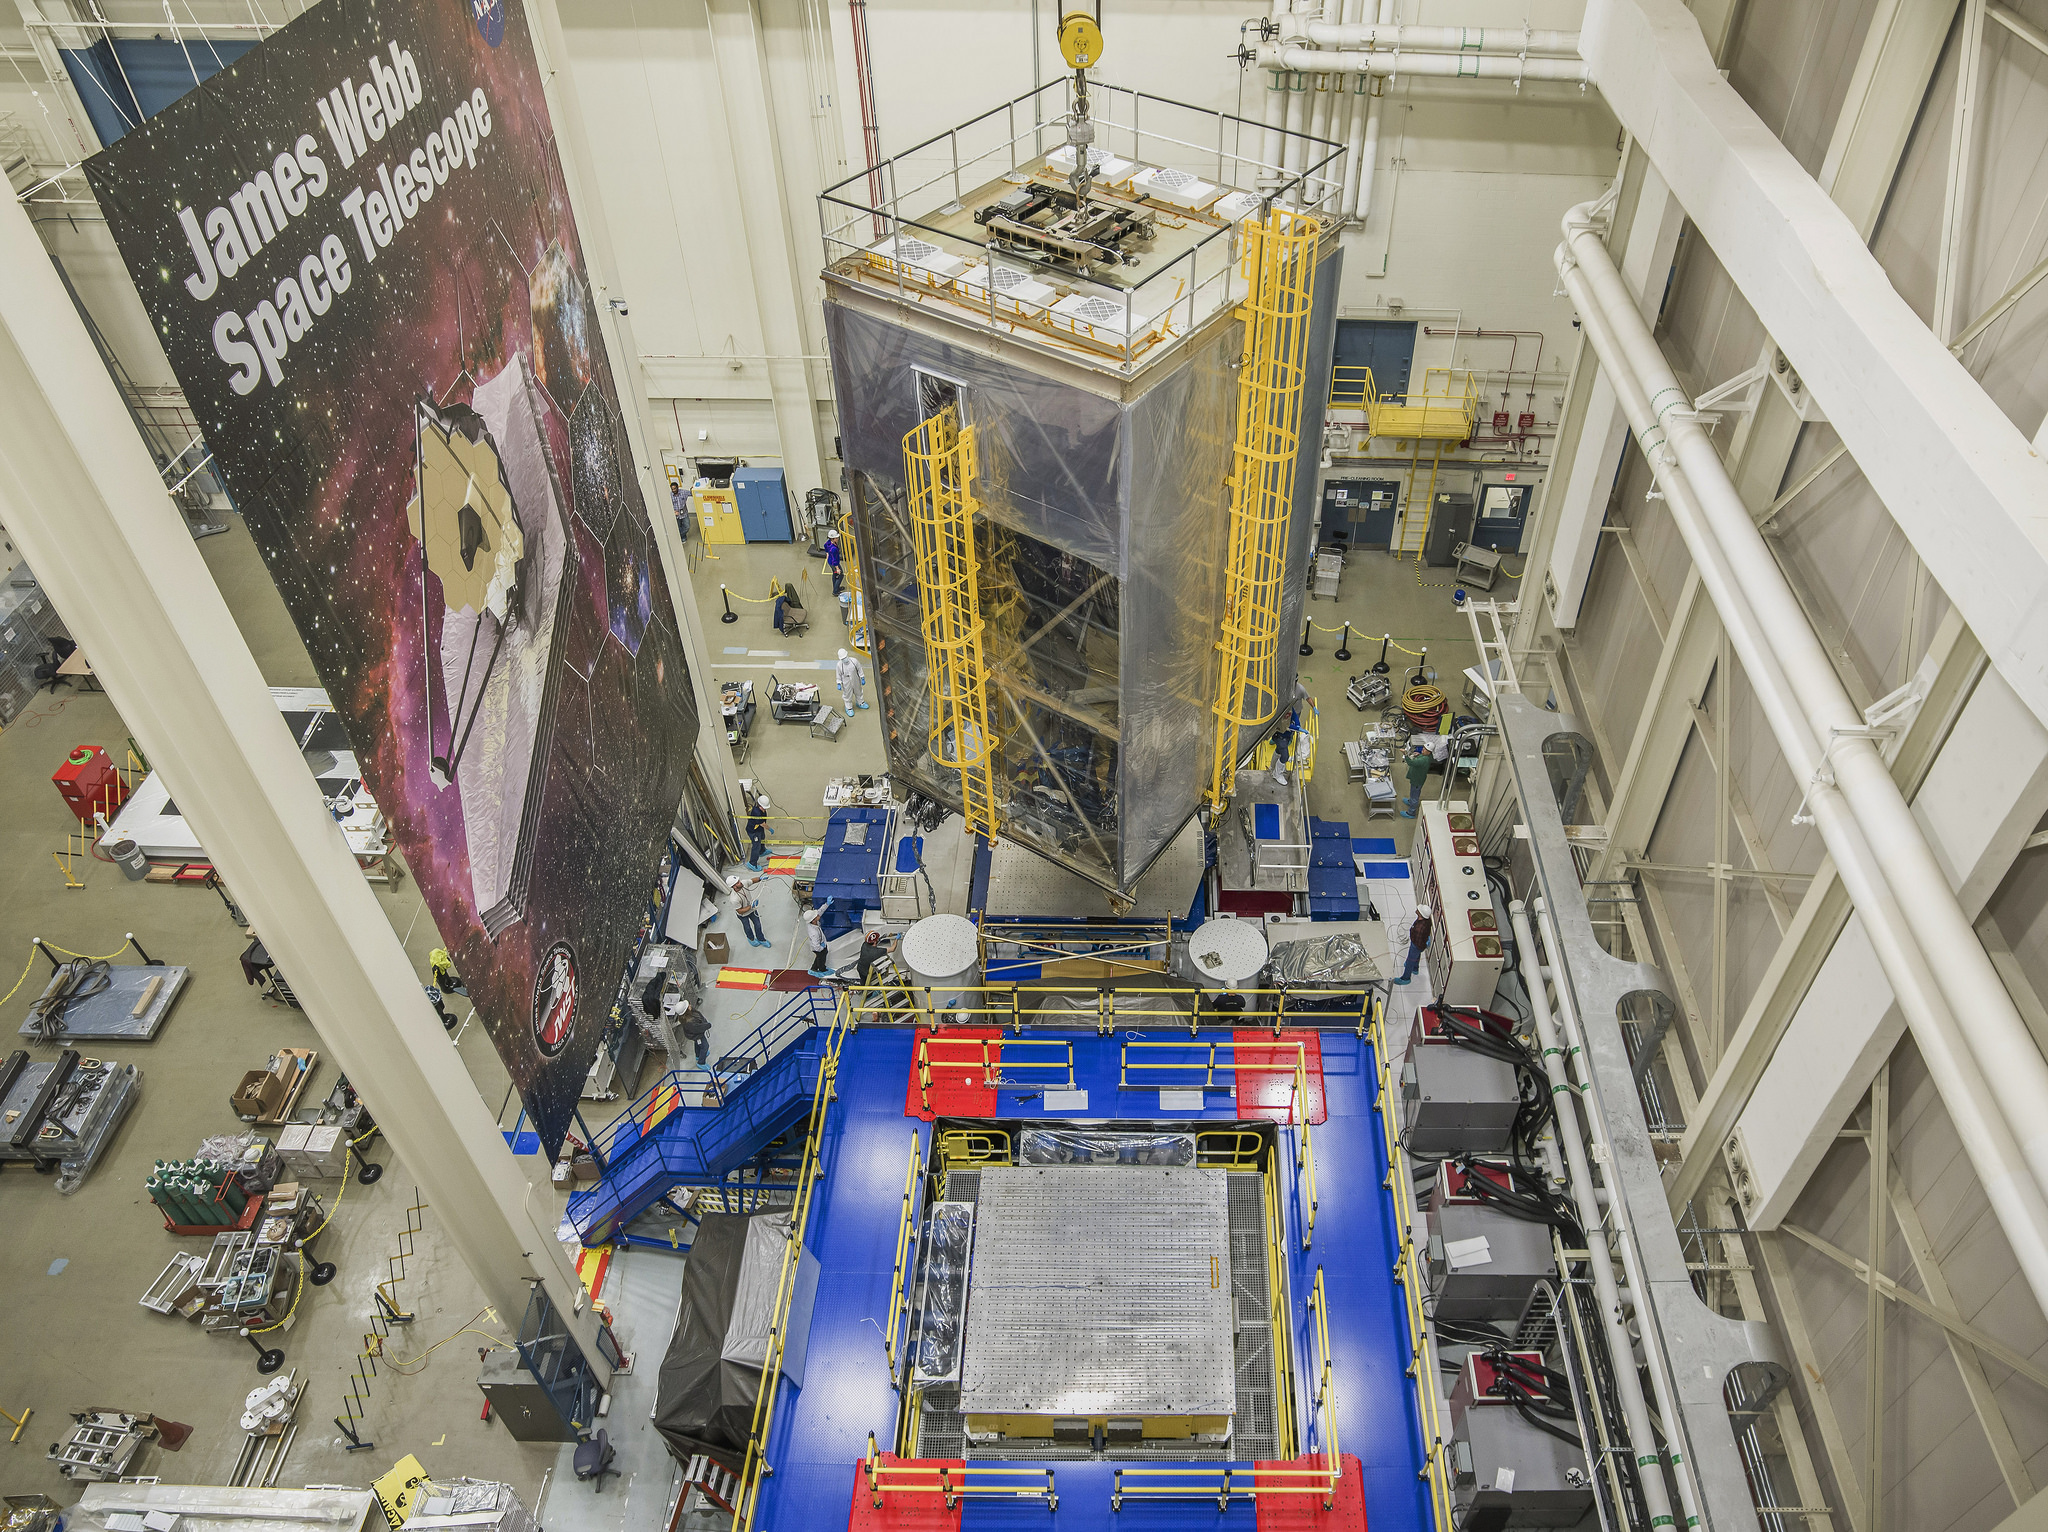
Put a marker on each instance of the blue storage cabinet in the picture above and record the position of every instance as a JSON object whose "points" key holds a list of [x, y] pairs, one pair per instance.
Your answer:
{"points": [[763, 504]]}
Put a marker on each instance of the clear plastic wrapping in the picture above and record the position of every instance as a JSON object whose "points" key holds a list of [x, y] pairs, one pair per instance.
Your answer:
{"points": [[941, 1315], [1102, 539], [1081, 1146], [1341, 959]]}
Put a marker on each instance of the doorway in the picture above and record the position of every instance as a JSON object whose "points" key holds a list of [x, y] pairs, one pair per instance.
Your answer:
{"points": [[1385, 346]]}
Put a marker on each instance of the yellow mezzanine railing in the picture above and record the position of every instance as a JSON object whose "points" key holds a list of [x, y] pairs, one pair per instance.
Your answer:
{"points": [[1000, 1060], [1017, 1004], [956, 1482], [1279, 265], [906, 1253], [1444, 409], [939, 469], [1407, 1272]]}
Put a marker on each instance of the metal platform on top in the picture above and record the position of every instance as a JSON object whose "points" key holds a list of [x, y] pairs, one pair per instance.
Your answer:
{"points": [[117, 1013], [1262, 841], [1100, 1291]]}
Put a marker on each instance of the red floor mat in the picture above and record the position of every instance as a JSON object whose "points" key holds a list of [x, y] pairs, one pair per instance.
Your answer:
{"points": [[1305, 1513], [903, 1511], [1265, 1074], [957, 1074]]}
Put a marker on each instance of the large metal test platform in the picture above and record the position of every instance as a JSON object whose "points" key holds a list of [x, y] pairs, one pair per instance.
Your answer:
{"points": [[1100, 1298]]}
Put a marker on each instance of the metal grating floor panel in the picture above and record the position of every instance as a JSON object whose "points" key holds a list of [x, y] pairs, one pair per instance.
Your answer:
{"points": [[1255, 1432], [1133, 1262]]}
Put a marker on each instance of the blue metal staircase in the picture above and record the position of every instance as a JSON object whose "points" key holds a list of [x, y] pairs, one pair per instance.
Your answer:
{"points": [[698, 1126]]}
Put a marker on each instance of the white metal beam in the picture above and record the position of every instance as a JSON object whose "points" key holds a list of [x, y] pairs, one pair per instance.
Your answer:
{"points": [[1976, 809], [1960, 479]]}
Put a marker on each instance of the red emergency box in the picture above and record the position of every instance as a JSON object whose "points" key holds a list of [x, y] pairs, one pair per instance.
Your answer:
{"points": [[89, 783]]}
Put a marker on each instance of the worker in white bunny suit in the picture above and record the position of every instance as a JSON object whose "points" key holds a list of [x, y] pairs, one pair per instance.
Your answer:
{"points": [[851, 680]]}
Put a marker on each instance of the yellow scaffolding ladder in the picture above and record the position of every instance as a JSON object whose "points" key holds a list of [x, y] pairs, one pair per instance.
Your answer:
{"points": [[938, 468], [1279, 266]]}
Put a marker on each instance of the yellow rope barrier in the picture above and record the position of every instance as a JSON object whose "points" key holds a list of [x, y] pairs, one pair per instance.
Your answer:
{"points": [[25, 967], [92, 957]]}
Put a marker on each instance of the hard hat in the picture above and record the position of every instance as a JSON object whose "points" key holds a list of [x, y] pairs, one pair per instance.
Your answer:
{"points": [[842, 654], [832, 535], [1422, 910], [762, 800]]}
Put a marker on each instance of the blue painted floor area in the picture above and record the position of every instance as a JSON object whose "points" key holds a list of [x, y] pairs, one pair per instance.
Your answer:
{"points": [[1356, 1243], [822, 1431]]}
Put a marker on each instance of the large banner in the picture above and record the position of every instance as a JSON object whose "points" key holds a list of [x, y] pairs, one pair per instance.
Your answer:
{"points": [[358, 251]]}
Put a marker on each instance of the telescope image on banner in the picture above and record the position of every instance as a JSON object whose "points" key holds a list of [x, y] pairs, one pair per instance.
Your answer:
{"points": [[357, 249]]}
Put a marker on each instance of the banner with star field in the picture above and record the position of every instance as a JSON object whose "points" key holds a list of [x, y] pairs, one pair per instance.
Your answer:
{"points": [[358, 252]]}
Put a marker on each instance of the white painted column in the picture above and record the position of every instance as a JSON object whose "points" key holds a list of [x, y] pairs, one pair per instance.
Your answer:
{"points": [[629, 381], [782, 291], [84, 503]]}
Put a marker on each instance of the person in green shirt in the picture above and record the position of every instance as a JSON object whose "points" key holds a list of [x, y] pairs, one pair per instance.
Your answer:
{"points": [[1418, 772]]}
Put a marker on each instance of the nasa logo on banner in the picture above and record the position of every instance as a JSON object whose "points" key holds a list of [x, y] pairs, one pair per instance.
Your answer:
{"points": [[554, 999], [489, 16]]}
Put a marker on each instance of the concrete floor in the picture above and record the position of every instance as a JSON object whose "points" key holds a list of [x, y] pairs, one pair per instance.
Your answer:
{"points": [[73, 1268], [1377, 594]]}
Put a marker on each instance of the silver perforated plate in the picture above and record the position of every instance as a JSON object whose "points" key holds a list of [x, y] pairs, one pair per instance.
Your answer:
{"points": [[1100, 1291]]}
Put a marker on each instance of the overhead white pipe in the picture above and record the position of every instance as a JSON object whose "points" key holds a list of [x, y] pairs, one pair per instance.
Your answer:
{"points": [[1469, 66], [1364, 146], [1984, 1063], [1296, 142], [1274, 121], [1500, 40], [1564, 1103]]}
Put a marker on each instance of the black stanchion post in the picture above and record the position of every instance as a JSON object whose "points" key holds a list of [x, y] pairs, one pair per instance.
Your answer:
{"points": [[1344, 644], [1306, 647], [726, 597]]}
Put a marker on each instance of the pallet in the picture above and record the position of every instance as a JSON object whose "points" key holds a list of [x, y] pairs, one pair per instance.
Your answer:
{"points": [[283, 1114]]}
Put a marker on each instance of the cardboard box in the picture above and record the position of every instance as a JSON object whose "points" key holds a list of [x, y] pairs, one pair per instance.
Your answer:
{"points": [[717, 948], [260, 1094]]}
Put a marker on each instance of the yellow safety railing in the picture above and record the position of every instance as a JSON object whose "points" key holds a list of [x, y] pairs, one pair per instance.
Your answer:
{"points": [[1408, 1274], [1230, 1149], [1131, 1070], [999, 1060], [968, 1147], [1279, 1308], [906, 1253], [1141, 1056], [1052, 1004], [939, 469], [955, 1481], [1279, 266], [1444, 409], [849, 566], [754, 1467]]}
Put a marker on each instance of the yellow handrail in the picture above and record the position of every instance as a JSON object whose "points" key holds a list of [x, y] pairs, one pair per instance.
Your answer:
{"points": [[997, 1056], [1279, 266], [754, 1466], [906, 1252], [955, 1481], [1265, 1052], [1278, 1310], [939, 470], [1009, 1004], [975, 1146]]}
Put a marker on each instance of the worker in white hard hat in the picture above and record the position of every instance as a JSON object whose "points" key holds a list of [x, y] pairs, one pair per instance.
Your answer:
{"points": [[757, 833], [832, 560], [851, 680], [1418, 939], [748, 908]]}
